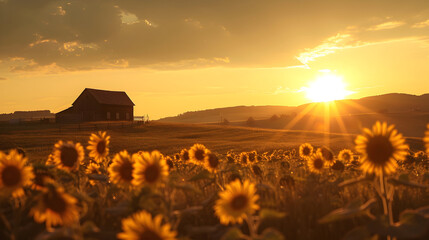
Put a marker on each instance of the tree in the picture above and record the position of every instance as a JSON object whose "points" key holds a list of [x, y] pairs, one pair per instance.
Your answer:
{"points": [[250, 121]]}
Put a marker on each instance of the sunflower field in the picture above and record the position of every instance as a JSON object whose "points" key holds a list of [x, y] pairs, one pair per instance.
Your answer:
{"points": [[377, 190]]}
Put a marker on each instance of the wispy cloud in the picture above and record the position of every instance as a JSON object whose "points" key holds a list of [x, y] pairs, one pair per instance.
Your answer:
{"points": [[386, 25], [3, 78], [421, 24], [329, 46]]}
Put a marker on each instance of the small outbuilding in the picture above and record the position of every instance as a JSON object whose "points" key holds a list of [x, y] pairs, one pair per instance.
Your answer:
{"points": [[98, 105]]}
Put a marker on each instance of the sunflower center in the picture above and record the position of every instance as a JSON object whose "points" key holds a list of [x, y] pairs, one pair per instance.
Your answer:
{"points": [[318, 163], [306, 151], [152, 172], [346, 156], [239, 202], [11, 176], [149, 235], [126, 171], [199, 154], [213, 161], [243, 159], [54, 202], [251, 157], [68, 156], [101, 147], [185, 156], [379, 149]]}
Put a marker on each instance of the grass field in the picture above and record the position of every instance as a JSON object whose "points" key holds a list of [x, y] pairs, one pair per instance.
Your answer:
{"points": [[292, 199], [169, 138]]}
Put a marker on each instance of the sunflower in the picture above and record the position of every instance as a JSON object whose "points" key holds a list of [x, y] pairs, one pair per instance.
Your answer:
{"points": [[305, 150], [55, 207], [184, 155], [41, 177], [197, 153], [50, 160], [345, 155], [426, 139], [326, 154], [338, 166], [316, 163], [121, 169], [236, 202], [251, 156], [243, 158], [14, 175], [141, 225], [92, 168], [381, 148], [150, 168], [68, 155], [169, 162], [211, 162], [98, 146]]}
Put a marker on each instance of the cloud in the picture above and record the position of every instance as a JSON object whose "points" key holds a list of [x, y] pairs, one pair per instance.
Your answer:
{"points": [[421, 24], [3, 78], [386, 25], [81, 35]]}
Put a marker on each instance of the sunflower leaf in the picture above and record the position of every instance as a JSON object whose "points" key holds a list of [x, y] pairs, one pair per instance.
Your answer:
{"points": [[360, 233], [265, 214], [271, 234], [355, 181], [403, 179], [232, 234], [352, 209], [187, 187], [204, 174], [411, 225]]}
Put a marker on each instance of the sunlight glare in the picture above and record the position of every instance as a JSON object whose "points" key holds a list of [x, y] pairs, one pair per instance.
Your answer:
{"points": [[328, 87]]}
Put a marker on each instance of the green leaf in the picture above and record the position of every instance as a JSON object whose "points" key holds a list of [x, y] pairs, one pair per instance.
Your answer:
{"points": [[271, 234], [356, 180], [411, 225], [265, 214], [352, 209], [403, 179], [187, 187], [360, 233], [203, 174], [232, 234]]}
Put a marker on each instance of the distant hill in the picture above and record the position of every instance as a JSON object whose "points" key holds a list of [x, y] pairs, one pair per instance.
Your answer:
{"points": [[26, 115], [410, 113], [232, 114]]}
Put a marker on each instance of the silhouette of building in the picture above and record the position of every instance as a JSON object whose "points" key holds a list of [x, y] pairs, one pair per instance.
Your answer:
{"points": [[98, 105]]}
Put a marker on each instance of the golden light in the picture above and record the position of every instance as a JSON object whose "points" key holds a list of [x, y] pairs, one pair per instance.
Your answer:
{"points": [[327, 87]]}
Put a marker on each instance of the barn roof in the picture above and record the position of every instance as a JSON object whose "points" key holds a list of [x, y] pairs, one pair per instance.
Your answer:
{"points": [[109, 97]]}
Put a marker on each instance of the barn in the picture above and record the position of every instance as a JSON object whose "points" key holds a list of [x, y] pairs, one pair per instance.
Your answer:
{"points": [[98, 105]]}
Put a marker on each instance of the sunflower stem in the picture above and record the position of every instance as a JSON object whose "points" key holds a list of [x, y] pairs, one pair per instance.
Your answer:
{"points": [[387, 208], [251, 224]]}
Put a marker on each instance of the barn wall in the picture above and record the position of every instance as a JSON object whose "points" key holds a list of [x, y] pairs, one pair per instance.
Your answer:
{"points": [[86, 108], [120, 111]]}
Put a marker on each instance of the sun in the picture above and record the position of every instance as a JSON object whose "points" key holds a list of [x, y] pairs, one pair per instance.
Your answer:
{"points": [[327, 87]]}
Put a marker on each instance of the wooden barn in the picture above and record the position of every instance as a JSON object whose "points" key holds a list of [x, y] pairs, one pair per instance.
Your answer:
{"points": [[98, 105]]}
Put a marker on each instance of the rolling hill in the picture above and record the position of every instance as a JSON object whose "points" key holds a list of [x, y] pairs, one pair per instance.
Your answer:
{"points": [[410, 113]]}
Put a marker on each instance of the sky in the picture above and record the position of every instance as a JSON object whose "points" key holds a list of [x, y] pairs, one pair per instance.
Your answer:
{"points": [[173, 56]]}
